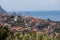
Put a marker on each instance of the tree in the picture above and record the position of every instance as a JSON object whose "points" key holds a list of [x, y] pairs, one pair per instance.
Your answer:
{"points": [[3, 33]]}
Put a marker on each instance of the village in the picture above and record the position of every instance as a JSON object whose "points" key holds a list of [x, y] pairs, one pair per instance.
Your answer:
{"points": [[20, 23]]}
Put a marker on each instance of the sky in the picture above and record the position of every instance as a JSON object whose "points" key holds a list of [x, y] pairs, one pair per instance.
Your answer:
{"points": [[30, 5]]}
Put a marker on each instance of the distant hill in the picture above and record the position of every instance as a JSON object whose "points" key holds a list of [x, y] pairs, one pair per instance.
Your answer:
{"points": [[2, 11]]}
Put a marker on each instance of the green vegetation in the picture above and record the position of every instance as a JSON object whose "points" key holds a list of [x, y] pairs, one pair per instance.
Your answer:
{"points": [[3, 33], [31, 36]]}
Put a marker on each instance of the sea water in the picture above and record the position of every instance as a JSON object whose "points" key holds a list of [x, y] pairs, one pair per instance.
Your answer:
{"points": [[53, 15]]}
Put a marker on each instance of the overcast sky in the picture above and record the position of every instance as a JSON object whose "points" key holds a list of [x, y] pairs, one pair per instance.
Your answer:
{"points": [[30, 5]]}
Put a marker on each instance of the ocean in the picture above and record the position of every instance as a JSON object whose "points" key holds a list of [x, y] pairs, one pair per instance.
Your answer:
{"points": [[53, 15]]}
